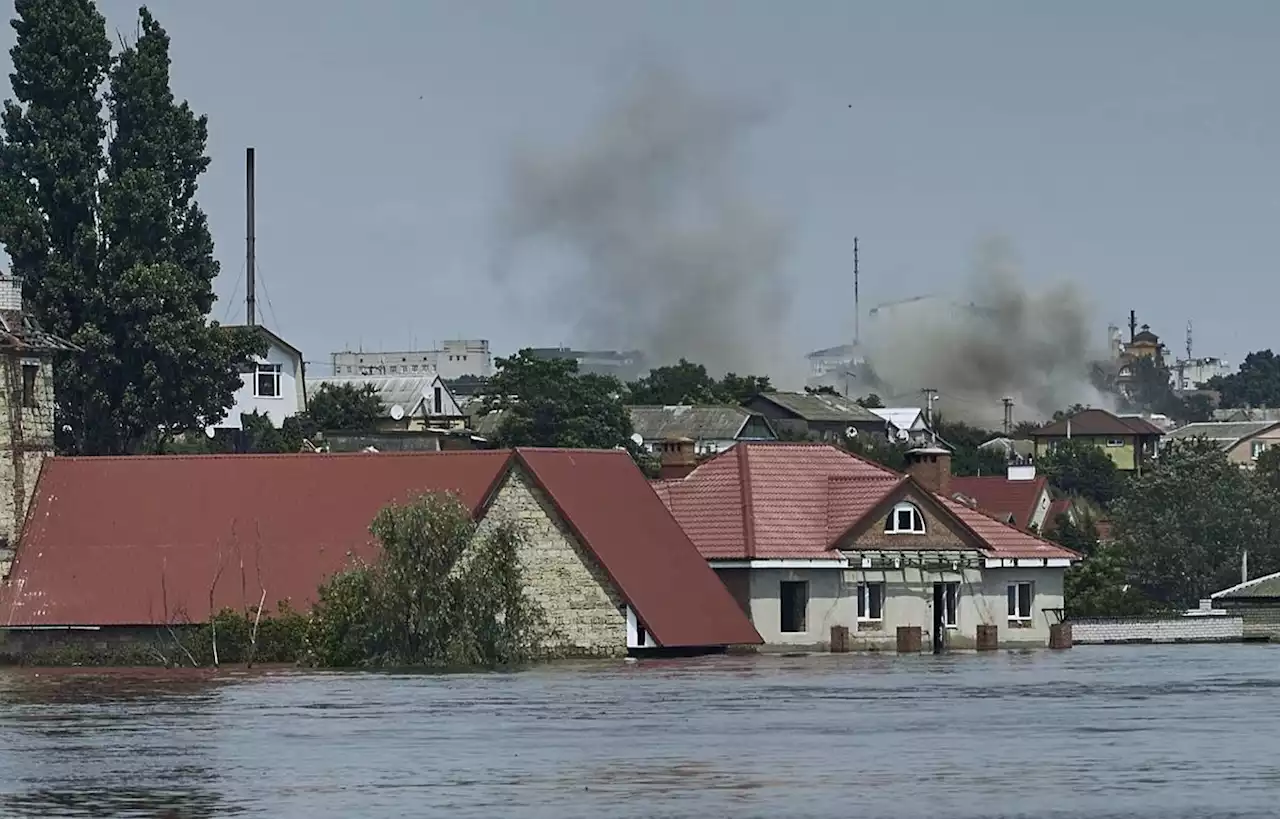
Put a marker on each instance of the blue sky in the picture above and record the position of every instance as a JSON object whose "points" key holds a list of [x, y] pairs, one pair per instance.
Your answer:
{"points": [[1128, 148]]}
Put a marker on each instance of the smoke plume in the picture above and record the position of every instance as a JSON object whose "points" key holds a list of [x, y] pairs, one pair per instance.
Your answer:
{"points": [[655, 246], [997, 340]]}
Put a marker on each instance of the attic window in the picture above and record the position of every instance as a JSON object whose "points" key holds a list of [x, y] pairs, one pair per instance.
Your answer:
{"points": [[29, 372], [904, 519]]}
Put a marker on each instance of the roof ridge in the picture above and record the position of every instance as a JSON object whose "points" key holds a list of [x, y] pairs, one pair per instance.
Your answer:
{"points": [[264, 456], [1009, 526]]}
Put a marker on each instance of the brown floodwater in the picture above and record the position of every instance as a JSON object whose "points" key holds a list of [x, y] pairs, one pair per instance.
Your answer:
{"points": [[1161, 732]]}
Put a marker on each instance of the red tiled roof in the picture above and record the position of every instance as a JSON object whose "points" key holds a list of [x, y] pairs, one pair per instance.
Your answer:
{"points": [[999, 496], [139, 540], [787, 500]]}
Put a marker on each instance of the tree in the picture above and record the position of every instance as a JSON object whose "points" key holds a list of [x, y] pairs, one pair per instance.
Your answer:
{"points": [[689, 383], [1081, 469], [1151, 390], [1184, 526], [871, 401], [967, 456], [345, 407], [546, 402], [889, 454], [439, 595], [114, 252], [736, 389], [1196, 408], [1256, 384], [1267, 469]]}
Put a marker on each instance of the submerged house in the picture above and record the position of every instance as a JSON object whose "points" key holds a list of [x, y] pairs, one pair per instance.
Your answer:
{"points": [[808, 537], [120, 546]]}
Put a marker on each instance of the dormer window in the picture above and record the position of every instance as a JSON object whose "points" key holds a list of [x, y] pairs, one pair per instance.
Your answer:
{"points": [[905, 519]]}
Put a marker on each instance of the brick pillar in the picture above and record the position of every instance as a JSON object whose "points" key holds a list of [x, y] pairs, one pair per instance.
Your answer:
{"points": [[988, 638], [839, 639], [1060, 636], [910, 639]]}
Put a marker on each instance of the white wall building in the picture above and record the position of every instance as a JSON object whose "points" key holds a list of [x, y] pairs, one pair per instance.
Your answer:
{"points": [[1188, 374], [274, 385], [452, 359]]}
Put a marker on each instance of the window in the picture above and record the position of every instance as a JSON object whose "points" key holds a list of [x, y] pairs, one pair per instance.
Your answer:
{"points": [[266, 384], [905, 519], [640, 635], [950, 604], [438, 400], [1115, 442], [29, 372], [794, 597], [1020, 597], [871, 602], [1256, 448]]}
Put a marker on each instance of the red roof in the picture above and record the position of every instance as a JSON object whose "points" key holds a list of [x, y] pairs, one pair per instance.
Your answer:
{"points": [[997, 495], [139, 540], [789, 500]]}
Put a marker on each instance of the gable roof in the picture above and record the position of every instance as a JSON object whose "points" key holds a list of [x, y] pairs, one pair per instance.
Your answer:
{"points": [[408, 392], [697, 423], [1265, 587], [1225, 435], [270, 336], [1000, 497], [821, 407], [1097, 422], [795, 500], [908, 418], [140, 540]]}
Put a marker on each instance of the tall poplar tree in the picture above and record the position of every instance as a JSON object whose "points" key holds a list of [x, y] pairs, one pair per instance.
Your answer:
{"points": [[114, 251]]}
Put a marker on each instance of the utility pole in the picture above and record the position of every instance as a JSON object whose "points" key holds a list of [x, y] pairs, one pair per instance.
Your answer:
{"points": [[930, 395], [1133, 326], [251, 283], [1008, 414], [857, 309]]}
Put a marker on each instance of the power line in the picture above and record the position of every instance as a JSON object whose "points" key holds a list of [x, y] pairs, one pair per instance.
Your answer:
{"points": [[226, 313]]}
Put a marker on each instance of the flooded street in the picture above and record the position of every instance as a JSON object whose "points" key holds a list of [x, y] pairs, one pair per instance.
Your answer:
{"points": [[1167, 732]]}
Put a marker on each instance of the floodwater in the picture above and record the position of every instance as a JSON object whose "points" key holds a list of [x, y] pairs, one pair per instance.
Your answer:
{"points": [[1160, 732]]}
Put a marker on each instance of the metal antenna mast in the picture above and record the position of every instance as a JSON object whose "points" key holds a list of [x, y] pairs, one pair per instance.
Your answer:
{"points": [[857, 310]]}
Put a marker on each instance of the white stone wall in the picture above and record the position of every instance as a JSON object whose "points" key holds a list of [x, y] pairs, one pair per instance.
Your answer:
{"points": [[1194, 629], [26, 439], [585, 615]]}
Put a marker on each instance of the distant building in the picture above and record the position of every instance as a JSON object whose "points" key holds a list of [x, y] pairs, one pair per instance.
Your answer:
{"points": [[1190, 373], [626, 365], [1128, 441], [817, 415], [452, 359], [711, 429], [412, 403], [1243, 441], [274, 385], [906, 424]]}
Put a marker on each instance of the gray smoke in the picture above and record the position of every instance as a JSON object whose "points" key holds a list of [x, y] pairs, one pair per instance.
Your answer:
{"points": [[655, 246], [996, 339]]}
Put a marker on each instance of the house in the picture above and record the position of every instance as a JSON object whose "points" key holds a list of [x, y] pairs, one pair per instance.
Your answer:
{"points": [[808, 537], [711, 428], [1257, 603], [624, 365], [906, 424], [1243, 441], [1128, 441], [273, 385], [1020, 498], [139, 543], [818, 415], [455, 358], [26, 407], [408, 403], [1014, 450]]}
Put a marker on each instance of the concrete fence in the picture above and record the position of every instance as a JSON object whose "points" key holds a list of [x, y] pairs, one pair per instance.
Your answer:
{"points": [[1215, 627]]}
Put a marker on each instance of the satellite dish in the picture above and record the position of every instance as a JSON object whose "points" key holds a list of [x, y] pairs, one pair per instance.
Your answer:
{"points": [[210, 432], [397, 412], [903, 435], [851, 432], [637, 439]]}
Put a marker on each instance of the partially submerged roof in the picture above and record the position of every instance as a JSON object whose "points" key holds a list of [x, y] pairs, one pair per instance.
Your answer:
{"points": [[143, 540], [794, 500], [1260, 588], [1097, 422], [1002, 498], [1225, 435], [821, 407], [698, 423]]}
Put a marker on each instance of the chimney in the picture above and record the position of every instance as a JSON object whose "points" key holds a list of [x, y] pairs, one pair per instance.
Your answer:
{"points": [[1022, 472], [11, 293], [677, 458], [931, 467]]}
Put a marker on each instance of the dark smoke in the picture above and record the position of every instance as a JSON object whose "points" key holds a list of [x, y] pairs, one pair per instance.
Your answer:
{"points": [[996, 339], [659, 249]]}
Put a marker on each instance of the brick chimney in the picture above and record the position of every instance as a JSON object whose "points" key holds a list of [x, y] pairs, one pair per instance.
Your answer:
{"points": [[11, 294], [931, 467], [677, 458]]}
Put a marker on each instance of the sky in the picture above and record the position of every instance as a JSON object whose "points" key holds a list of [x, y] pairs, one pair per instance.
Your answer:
{"points": [[1127, 149]]}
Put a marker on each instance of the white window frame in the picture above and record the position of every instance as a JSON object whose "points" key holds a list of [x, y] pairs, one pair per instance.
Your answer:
{"points": [[1015, 599], [951, 604], [262, 369], [1256, 448], [864, 601], [892, 526], [1115, 442]]}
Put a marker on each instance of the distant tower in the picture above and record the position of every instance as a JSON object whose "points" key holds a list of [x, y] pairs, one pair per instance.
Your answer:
{"points": [[26, 411]]}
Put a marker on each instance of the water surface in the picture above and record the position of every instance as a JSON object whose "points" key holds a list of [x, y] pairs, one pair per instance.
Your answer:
{"points": [[1160, 732]]}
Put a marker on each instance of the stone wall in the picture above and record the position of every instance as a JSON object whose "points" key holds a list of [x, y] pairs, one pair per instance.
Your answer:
{"points": [[1209, 628], [26, 439], [584, 612]]}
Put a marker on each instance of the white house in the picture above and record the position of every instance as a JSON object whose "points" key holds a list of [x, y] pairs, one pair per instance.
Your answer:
{"points": [[906, 424], [808, 537], [274, 385], [408, 402]]}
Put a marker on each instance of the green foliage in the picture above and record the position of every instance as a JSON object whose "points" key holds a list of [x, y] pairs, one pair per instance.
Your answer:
{"points": [[1098, 587], [1150, 388], [547, 403], [1183, 526], [1267, 469], [437, 596], [871, 401], [967, 458], [889, 454], [114, 252], [1082, 470], [1255, 384], [281, 637], [344, 407], [689, 383]]}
